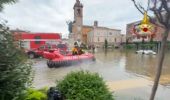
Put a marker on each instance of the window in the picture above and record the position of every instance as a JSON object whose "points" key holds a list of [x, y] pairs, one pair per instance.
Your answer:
{"points": [[98, 39], [37, 37], [62, 46], [78, 12], [49, 47], [41, 47], [98, 33], [21, 44], [115, 40], [110, 33]]}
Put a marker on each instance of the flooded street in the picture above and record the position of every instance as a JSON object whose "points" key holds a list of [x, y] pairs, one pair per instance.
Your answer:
{"points": [[130, 76]]}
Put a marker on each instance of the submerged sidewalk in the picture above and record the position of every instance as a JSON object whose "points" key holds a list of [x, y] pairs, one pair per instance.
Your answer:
{"points": [[127, 84]]}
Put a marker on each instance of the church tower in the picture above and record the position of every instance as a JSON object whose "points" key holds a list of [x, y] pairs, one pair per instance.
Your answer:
{"points": [[78, 20]]}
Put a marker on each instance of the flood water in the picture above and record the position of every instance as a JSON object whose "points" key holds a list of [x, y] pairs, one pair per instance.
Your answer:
{"points": [[129, 76]]}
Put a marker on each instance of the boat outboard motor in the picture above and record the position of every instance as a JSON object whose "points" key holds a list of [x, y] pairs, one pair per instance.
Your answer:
{"points": [[54, 94]]}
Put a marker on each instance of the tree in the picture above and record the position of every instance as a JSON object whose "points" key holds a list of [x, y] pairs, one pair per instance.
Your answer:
{"points": [[161, 10], [105, 44], [15, 70], [3, 2]]}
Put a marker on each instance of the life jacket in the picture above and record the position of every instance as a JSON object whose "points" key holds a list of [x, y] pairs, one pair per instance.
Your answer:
{"points": [[74, 50]]}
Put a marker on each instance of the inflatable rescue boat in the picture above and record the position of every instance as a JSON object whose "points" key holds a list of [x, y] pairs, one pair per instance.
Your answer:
{"points": [[55, 59]]}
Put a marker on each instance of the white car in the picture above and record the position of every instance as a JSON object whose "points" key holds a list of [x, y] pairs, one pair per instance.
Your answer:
{"points": [[146, 52]]}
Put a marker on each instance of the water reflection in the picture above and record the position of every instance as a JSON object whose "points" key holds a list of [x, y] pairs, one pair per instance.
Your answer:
{"points": [[114, 66], [146, 65]]}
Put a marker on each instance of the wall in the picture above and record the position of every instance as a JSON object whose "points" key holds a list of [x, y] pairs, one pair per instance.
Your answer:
{"points": [[85, 31], [99, 34]]}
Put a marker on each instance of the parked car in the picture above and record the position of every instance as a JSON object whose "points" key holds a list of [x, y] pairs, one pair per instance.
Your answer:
{"points": [[38, 52]]}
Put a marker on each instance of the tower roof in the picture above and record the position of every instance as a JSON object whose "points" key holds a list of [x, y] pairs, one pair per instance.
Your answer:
{"points": [[78, 4]]}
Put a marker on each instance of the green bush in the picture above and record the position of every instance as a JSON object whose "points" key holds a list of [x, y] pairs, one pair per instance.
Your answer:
{"points": [[147, 45], [129, 46], [33, 94], [84, 86], [44, 90]]}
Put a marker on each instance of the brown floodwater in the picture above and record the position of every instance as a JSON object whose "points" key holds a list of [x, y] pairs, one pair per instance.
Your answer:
{"points": [[128, 75]]}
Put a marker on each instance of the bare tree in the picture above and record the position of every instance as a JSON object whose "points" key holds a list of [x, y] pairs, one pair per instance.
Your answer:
{"points": [[161, 10], [3, 2]]}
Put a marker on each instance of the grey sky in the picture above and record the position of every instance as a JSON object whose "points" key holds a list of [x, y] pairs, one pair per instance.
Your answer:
{"points": [[51, 15]]}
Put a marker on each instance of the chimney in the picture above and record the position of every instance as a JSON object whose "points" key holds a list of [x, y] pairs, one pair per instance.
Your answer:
{"points": [[96, 23]]}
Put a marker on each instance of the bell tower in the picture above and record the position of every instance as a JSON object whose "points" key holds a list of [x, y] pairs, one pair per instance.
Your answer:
{"points": [[78, 19]]}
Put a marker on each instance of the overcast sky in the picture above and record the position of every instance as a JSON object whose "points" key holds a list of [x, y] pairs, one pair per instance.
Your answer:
{"points": [[51, 15]]}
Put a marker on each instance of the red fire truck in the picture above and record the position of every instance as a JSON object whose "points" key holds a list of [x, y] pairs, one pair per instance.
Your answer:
{"points": [[29, 40], [35, 43]]}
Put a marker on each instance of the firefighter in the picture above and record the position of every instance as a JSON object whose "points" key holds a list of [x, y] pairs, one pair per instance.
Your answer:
{"points": [[80, 50], [75, 49]]}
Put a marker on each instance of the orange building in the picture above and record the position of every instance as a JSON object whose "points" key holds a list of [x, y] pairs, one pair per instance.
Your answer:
{"points": [[85, 31]]}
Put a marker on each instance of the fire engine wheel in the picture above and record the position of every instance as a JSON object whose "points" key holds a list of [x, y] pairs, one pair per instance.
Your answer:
{"points": [[49, 64], [31, 55], [57, 64], [93, 59]]}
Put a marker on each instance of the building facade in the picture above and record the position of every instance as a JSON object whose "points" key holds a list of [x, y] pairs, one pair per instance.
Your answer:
{"points": [[87, 33], [98, 35]]}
